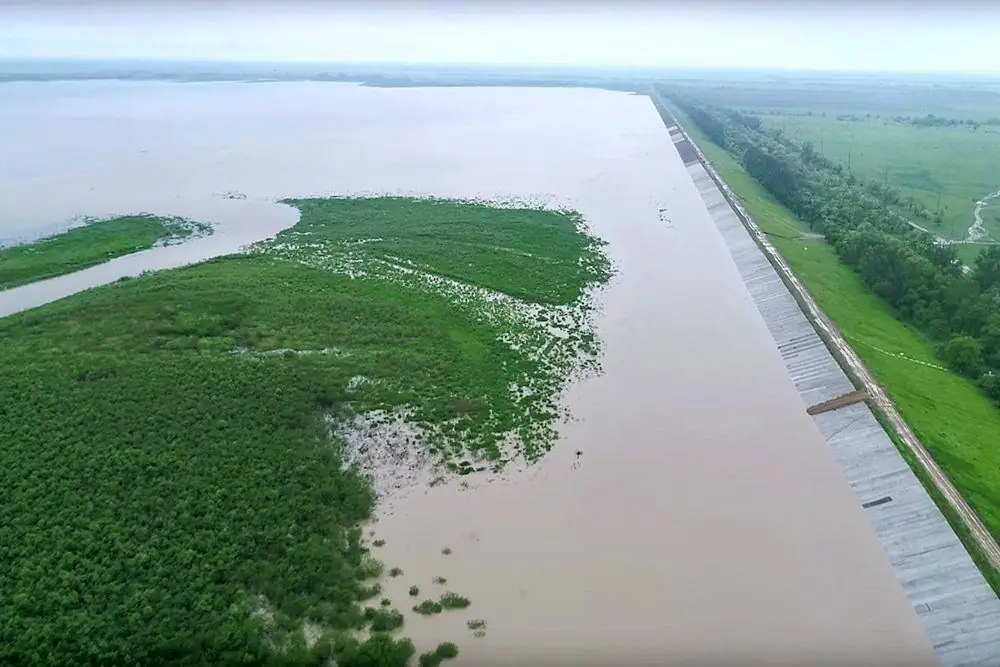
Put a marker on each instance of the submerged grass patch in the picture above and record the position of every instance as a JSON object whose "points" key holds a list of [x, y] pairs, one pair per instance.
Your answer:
{"points": [[454, 601], [518, 278], [428, 608], [174, 431], [444, 651], [88, 245], [447, 601]]}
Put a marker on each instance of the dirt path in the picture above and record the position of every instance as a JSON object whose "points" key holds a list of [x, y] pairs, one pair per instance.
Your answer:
{"points": [[860, 374]]}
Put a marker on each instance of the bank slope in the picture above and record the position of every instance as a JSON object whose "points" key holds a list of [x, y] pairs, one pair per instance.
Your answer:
{"points": [[948, 413]]}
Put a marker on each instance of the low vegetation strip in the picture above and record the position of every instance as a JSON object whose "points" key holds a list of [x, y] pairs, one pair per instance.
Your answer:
{"points": [[532, 254], [90, 244], [947, 425], [176, 476]]}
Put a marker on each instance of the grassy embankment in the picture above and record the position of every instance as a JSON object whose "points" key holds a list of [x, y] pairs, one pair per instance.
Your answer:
{"points": [[171, 488], [956, 423], [88, 245]]}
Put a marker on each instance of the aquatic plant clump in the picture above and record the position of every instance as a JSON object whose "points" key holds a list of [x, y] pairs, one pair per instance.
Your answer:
{"points": [[454, 601], [444, 651], [428, 608], [526, 275]]}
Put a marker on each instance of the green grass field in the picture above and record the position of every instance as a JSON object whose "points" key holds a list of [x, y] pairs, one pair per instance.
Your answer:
{"points": [[173, 487], [957, 424], [961, 164], [88, 245], [852, 120]]}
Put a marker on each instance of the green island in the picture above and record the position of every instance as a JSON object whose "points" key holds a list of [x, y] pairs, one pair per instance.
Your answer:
{"points": [[92, 243], [928, 330], [176, 478]]}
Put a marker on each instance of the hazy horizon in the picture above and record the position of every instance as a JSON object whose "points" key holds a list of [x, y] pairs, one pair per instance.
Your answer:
{"points": [[847, 37]]}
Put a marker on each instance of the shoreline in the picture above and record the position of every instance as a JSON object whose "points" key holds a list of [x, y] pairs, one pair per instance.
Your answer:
{"points": [[697, 487], [879, 476], [228, 237], [519, 547]]}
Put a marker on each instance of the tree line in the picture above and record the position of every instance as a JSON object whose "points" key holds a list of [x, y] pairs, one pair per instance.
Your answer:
{"points": [[922, 281], [927, 120], [932, 120]]}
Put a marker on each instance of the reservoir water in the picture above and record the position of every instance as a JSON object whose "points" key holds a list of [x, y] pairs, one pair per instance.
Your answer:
{"points": [[705, 520]]}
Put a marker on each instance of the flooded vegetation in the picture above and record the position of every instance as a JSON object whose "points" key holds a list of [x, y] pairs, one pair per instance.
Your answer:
{"points": [[519, 277], [603, 458], [182, 361], [95, 242]]}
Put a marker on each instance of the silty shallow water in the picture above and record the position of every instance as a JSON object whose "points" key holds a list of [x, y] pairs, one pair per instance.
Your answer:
{"points": [[705, 520]]}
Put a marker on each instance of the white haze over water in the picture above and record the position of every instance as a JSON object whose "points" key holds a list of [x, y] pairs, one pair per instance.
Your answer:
{"points": [[879, 36]]}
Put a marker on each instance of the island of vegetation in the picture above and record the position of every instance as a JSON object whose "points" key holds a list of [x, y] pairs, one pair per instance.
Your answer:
{"points": [[184, 471], [925, 323], [94, 242]]}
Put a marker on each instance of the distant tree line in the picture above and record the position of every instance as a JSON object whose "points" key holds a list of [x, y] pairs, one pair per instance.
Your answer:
{"points": [[927, 120], [930, 120], [921, 280]]}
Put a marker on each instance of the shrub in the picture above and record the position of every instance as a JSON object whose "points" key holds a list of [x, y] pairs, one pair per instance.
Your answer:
{"points": [[428, 608], [454, 601]]}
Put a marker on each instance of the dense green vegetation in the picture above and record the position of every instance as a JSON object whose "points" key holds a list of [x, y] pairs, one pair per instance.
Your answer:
{"points": [[93, 243], [855, 271], [527, 253], [172, 489], [149, 498]]}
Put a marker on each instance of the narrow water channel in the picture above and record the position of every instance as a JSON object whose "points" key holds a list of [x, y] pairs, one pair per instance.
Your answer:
{"points": [[978, 231]]}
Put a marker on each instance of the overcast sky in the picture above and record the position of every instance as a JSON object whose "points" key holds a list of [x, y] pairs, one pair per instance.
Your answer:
{"points": [[911, 36]]}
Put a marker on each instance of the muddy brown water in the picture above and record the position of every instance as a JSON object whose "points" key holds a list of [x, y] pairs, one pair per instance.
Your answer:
{"points": [[705, 520]]}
